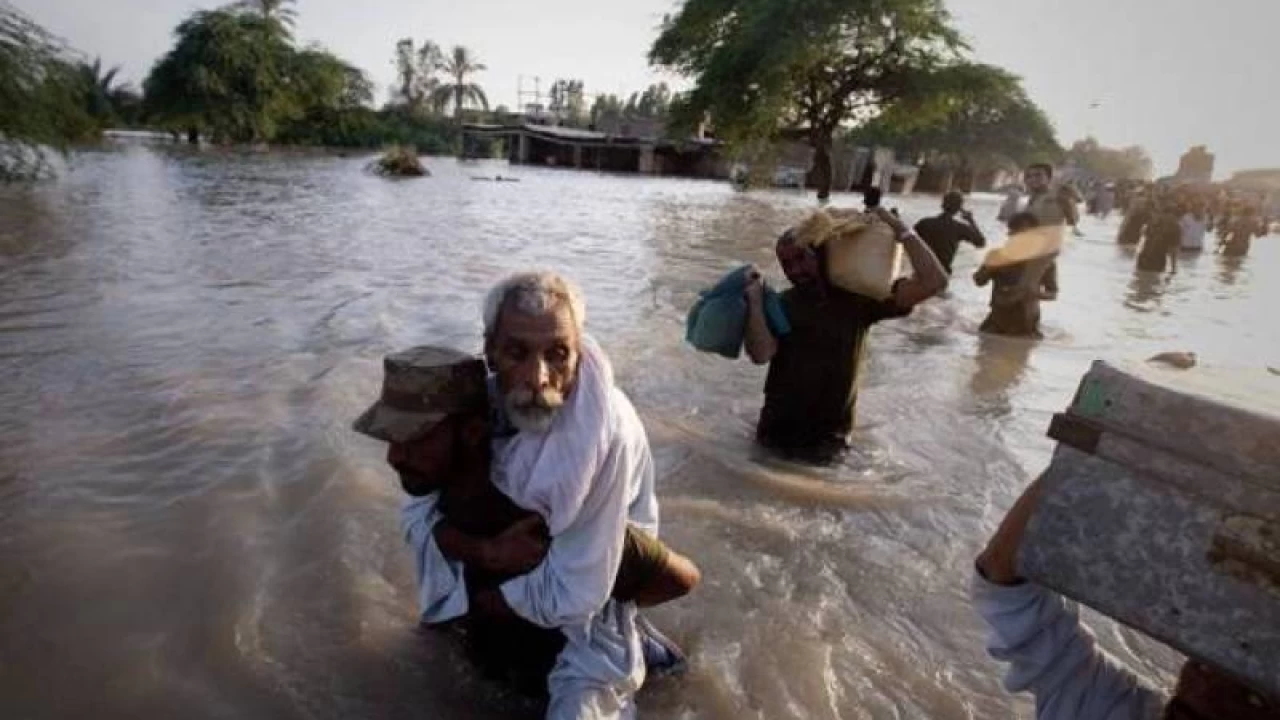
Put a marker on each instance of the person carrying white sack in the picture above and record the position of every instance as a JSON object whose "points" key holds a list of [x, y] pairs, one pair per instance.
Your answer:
{"points": [[811, 388]]}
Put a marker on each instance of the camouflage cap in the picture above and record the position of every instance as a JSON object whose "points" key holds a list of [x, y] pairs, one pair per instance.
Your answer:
{"points": [[422, 386]]}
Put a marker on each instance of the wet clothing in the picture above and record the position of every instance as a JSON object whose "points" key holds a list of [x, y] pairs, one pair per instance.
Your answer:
{"points": [[480, 510], [1015, 296], [1240, 237], [811, 390], [1051, 208], [1049, 653], [514, 650], [944, 233], [1135, 222], [1194, 230], [602, 665], [1163, 239]]}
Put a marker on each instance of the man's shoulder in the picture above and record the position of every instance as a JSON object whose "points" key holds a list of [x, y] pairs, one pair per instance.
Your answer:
{"points": [[629, 429], [930, 223]]}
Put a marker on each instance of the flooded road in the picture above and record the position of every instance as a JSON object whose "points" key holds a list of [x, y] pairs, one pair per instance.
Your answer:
{"points": [[188, 528]]}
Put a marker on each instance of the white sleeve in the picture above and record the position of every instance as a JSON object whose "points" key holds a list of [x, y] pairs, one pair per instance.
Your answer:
{"points": [[576, 577], [1051, 654], [442, 588]]}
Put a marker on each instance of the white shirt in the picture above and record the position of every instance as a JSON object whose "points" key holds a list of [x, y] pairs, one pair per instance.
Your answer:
{"points": [[1193, 232], [1038, 633], [602, 665]]}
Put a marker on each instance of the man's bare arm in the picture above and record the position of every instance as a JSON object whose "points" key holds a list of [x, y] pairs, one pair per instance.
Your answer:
{"points": [[928, 278], [759, 342], [516, 551]]}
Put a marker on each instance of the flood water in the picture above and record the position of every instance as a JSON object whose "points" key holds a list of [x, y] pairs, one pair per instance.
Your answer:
{"points": [[188, 528]]}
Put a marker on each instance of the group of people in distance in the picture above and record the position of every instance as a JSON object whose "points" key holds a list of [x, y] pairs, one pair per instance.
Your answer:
{"points": [[533, 518], [1168, 220]]}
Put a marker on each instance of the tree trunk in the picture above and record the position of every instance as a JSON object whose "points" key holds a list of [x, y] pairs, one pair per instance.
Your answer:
{"points": [[822, 163], [193, 135]]}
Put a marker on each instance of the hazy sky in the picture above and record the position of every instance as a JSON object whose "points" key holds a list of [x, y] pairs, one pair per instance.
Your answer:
{"points": [[1168, 74]]}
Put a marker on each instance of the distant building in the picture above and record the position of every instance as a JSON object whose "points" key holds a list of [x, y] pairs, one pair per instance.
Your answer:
{"points": [[555, 146], [1196, 166]]}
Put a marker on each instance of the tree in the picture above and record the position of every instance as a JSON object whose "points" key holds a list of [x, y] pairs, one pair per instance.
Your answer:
{"points": [[101, 92], [970, 116], [416, 67], [227, 75], [41, 103], [1130, 163], [459, 66], [652, 103], [278, 16], [606, 108], [802, 68], [568, 103]]}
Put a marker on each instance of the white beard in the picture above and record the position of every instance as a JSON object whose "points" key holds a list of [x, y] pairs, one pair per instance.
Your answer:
{"points": [[531, 417]]}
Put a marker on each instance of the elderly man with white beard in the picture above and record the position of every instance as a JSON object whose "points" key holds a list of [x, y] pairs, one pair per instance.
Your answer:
{"points": [[569, 446]]}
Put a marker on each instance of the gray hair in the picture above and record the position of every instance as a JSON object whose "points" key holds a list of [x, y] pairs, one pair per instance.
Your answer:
{"points": [[533, 293]]}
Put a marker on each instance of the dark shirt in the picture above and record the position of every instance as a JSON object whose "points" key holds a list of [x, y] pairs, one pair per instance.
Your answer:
{"points": [[1163, 238], [811, 389], [1240, 236], [943, 234], [1134, 223]]}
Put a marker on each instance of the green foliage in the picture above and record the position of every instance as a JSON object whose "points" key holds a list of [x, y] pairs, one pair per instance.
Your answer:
{"points": [[764, 66], [399, 161], [458, 91], [41, 102], [654, 102], [568, 103], [606, 107], [765, 69], [416, 81], [227, 76], [965, 115], [1130, 163], [279, 15]]}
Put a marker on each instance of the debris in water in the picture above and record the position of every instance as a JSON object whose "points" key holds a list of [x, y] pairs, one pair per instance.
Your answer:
{"points": [[1180, 360], [399, 161]]}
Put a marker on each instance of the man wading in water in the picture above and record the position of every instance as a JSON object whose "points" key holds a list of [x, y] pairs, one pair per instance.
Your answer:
{"points": [[566, 445], [944, 233], [1017, 287], [811, 390], [1049, 207]]}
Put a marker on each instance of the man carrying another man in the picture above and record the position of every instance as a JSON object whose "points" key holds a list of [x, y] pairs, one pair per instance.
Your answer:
{"points": [[811, 390], [568, 447]]}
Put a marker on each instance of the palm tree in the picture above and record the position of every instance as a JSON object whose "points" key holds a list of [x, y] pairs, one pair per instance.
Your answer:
{"points": [[100, 89], [276, 13], [458, 66]]}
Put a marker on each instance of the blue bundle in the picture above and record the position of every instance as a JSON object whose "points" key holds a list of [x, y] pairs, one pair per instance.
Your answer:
{"points": [[718, 321]]}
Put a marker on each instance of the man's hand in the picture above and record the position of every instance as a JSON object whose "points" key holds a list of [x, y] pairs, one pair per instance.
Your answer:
{"points": [[891, 220], [519, 549], [968, 217], [999, 561]]}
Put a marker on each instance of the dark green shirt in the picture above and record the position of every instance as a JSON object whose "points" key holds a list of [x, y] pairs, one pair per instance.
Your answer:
{"points": [[811, 389]]}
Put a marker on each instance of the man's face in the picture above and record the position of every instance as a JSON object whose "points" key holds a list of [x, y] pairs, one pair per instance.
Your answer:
{"points": [[1036, 179], [798, 264], [452, 448], [536, 360], [424, 464]]}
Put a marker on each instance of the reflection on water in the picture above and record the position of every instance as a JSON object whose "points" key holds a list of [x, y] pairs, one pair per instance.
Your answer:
{"points": [[189, 528]]}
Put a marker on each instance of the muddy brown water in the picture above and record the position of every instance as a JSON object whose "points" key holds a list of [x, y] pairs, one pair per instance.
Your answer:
{"points": [[189, 529]]}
